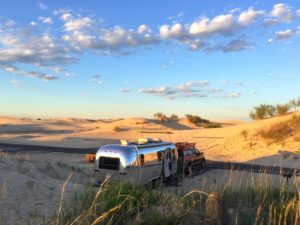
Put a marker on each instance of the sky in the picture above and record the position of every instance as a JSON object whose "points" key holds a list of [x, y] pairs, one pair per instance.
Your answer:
{"points": [[131, 58]]}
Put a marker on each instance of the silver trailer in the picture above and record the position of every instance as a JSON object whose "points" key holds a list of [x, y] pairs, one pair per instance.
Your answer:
{"points": [[141, 162]]}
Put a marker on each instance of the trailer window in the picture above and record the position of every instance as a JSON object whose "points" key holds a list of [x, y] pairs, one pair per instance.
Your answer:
{"points": [[109, 163], [159, 156], [150, 159]]}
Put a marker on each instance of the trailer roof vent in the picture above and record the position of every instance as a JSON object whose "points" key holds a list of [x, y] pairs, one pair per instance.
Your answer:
{"points": [[142, 141], [124, 142]]}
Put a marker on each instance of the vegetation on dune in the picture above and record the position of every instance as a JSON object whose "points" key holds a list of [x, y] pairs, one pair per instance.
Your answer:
{"points": [[163, 118], [281, 131], [197, 120], [264, 111], [260, 202]]}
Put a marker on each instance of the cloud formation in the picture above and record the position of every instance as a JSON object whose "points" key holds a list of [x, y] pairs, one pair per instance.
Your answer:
{"points": [[45, 48], [190, 89]]}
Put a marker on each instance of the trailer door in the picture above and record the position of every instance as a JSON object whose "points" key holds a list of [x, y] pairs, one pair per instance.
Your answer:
{"points": [[167, 163]]}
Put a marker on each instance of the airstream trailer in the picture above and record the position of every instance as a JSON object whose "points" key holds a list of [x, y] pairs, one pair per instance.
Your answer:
{"points": [[142, 162]]}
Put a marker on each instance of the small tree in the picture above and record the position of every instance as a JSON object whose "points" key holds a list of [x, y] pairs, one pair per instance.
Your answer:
{"points": [[293, 103], [262, 111], [197, 120], [160, 116], [244, 133], [282, 109], [174, 117]]}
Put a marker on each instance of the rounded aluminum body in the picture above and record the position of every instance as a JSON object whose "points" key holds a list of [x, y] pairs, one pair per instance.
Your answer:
{"points": [[136, 162]]}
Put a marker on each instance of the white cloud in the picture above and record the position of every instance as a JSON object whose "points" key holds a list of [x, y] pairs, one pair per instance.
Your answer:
{"points": [[298, 12], [32, 23], [46, 20], [66, 16], [41, 76], [283, 12], [221, 24], [189, 89], [249, 16], [284, 34], [270, 40], [41, 5], [124, 90], [78, 24], [142, 29]]}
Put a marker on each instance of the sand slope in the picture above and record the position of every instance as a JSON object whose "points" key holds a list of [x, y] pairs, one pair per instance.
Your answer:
{"points": [[225, 143]]}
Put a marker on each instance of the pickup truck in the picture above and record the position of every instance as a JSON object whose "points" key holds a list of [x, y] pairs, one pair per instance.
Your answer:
{"points": [[189, 156]]}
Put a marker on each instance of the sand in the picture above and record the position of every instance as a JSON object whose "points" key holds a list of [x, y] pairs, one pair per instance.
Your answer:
{"points": [[30, 183], [222, 144]]}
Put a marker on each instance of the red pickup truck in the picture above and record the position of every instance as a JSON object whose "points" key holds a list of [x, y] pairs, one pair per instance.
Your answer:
{"points": [[189, 156]]}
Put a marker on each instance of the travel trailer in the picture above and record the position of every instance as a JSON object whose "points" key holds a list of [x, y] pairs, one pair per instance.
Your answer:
{"points": [[144, 161]]}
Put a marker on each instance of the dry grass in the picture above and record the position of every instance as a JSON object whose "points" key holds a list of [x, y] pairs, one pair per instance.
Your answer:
{"points": [[256, 201], [279, 132]]}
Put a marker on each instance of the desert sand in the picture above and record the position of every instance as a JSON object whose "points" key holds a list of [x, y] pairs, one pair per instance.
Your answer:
{"points": [[31, 183], [223, 144]]}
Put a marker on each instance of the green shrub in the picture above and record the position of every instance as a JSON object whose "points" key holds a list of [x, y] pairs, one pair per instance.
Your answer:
{"points": [[197, 120], [282, 109], [262, 111], [162, 117], [212, 125]]}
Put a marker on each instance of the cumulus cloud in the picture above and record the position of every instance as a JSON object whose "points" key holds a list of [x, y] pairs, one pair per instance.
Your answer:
{"points": [[249, 16], [66, 16], [189, 89], [283, 12], [37, 50], [76, 24], [46, 20], [284, 34], [45, 48]]}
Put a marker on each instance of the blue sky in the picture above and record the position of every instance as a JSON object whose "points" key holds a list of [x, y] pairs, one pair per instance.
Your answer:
{"points": [[113, 59]]}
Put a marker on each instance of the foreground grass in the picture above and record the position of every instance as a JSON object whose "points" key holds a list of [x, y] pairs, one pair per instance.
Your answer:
{"points": [[126, 203]]}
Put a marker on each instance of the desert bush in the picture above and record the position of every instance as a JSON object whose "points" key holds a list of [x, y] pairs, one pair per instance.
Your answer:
{"points": [[174, 117], [212, 125], [244, 133], [162, 117], [280, 131], [262, 111], [282, 109], [197, 120], [117, 129]]}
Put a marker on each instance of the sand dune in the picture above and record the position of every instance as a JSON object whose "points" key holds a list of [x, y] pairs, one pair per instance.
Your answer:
{"points": [[226, 143]]}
